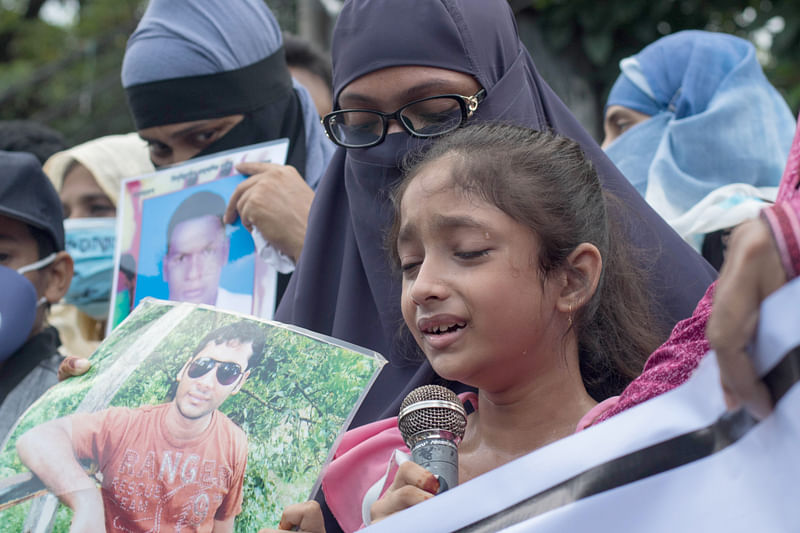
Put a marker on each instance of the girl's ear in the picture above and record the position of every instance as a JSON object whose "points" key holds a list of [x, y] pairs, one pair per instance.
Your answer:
{"points": [[581, 276]]}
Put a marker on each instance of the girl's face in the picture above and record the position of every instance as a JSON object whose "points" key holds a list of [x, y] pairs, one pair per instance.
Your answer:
{"points": [[472, 293]]}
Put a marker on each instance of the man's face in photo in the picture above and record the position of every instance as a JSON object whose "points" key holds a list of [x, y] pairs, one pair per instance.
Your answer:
{"points": [[216, 372], [196, 253]]}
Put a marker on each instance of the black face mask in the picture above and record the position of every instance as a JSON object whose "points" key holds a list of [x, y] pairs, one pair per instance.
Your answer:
{"points": [[273, 121], [262, 92]]}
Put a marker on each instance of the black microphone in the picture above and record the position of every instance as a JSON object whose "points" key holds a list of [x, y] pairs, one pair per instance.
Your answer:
{"points": [[432, 421]]}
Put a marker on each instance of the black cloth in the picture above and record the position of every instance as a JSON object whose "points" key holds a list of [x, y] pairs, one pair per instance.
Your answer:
{"points": [[38, 348], [262, 92], [27, 195], [343, 285]]}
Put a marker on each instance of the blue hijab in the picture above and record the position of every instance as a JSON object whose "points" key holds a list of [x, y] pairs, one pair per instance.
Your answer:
{"points": [[232, 54], [715, 121]]}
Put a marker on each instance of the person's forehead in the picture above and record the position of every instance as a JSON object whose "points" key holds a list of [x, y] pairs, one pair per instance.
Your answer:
{"points": [[197, 231], [407, 83], [79, 178], [234, 351]]}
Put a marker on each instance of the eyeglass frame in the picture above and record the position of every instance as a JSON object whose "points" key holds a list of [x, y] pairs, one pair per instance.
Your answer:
{"points": [[218, 365], [468, 105]]}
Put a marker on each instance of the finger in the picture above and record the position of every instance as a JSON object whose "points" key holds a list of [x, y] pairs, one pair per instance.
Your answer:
{"points": [[245, 213], [742, 386], [394, 501], [73, 366], [305, 516], [255, 167], [231, 210], [410, 473]]}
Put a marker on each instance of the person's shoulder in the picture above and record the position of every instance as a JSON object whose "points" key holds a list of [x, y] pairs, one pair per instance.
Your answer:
{"points": [[237, 436], [228, 424]]}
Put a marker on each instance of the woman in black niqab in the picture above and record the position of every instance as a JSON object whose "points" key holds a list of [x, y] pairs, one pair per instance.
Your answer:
{"points": [[344, 285]]}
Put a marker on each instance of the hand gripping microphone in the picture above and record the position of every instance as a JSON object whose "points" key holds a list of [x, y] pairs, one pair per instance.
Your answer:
{"points": [[432, 421]]}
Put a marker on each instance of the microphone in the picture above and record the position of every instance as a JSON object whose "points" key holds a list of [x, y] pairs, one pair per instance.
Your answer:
{"points": [[432, 421]]}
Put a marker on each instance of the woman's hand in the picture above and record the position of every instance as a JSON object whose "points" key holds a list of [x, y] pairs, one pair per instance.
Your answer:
{"points": [[306, 517], [751, 272], [73, 366], [412, 484], [276, 200]]}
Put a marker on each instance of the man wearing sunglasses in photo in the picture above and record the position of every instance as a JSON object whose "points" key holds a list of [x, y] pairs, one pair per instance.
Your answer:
{"points": [[170, 467]]}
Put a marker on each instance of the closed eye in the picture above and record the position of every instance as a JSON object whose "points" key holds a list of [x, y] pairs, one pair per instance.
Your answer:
{"points": [[473, 254], [407, 267]]}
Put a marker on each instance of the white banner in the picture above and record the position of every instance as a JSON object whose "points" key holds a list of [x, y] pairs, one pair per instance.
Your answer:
{"points": [[678, 462]]}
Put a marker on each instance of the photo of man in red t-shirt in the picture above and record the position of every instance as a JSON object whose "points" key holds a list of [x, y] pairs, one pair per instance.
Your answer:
{"points": [[172, 467]]}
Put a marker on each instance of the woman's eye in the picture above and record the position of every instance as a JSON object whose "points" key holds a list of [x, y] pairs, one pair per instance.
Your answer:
{"points": [[102, 210], [158, 149], [205, 136], [622, 125]]}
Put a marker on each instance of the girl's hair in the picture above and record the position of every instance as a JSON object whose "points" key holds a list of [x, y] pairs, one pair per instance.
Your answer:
{"points": [[544, 182]]}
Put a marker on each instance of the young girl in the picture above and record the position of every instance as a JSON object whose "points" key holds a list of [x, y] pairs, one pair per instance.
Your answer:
{"points": [[511, 283]]}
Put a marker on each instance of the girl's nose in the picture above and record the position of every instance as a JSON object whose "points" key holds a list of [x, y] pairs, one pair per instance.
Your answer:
{"points": [[428, 285]]}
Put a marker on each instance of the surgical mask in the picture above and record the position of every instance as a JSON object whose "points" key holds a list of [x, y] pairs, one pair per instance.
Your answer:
{"points": [[18, 306], [90, 242], [634, 151]]}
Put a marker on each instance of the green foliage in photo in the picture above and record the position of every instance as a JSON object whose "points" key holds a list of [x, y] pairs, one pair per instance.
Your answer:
{"points": [[292, 406]]}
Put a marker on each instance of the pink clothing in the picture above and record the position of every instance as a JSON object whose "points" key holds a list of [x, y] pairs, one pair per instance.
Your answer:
{"points": [[672, 363], [784, 217], [370, 452]]}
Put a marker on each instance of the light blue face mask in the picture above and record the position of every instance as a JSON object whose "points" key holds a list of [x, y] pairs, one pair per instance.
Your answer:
{"points": [[633, 152], [90, 242], [18, 306]]}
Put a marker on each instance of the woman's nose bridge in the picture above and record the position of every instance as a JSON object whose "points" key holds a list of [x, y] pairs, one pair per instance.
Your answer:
{"points": [[394, 126]]}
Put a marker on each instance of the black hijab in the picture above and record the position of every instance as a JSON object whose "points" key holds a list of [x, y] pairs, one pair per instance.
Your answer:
{"points": [[344, 285]]}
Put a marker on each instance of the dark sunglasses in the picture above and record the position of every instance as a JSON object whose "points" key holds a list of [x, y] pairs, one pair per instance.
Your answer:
{"points": [[227, 373]]}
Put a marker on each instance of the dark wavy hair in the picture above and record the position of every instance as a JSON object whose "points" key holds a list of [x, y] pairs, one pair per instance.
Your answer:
{"points": [[544, 181], [244, 332]]}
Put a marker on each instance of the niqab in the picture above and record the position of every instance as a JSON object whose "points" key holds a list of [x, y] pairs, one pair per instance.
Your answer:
{"points": [[344, 285], [198, 60]]}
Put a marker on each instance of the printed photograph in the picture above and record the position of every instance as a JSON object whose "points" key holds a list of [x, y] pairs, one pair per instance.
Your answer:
{"points": [[190, 418], [137, 243], [188, 254]]}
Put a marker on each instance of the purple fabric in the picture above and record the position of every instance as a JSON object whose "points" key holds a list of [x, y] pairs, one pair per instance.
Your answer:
{"points": [[344, 285]]}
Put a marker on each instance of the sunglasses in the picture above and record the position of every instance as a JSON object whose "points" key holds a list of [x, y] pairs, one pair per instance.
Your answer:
{"points": [[227, 373]]}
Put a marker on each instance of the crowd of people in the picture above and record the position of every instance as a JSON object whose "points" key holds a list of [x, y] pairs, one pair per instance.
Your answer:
{"points": [[449, 213]]}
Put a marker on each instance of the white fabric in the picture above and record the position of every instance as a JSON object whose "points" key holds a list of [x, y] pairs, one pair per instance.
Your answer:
{"points": [[725, 207], [748, 486], [233, 301]]}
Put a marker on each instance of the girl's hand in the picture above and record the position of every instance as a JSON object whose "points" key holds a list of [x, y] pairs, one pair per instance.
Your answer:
{"points": [[412, 485], [306, 516]]}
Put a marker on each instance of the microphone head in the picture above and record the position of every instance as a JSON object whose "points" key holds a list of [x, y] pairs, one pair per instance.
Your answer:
{"points": [[431, 408]]}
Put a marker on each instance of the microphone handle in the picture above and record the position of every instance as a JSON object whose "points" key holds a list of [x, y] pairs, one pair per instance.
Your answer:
{"points": [[440, 457]]}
